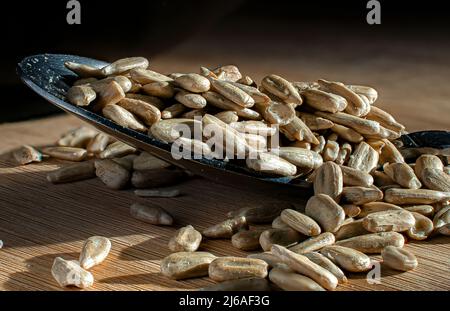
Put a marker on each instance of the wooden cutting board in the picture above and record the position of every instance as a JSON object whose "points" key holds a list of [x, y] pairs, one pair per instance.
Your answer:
{"points": [[39, 221]]}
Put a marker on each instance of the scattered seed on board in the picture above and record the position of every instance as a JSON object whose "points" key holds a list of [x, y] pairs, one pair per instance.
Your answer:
{"points": [[184, 265], [94, 251], [69, 273], [398, 258], [27, 154], [230, 268], [185, 239], [154, 215]]}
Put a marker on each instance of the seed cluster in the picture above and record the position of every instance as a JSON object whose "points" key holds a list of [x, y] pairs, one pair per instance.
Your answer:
{"points": [[367, 198]]}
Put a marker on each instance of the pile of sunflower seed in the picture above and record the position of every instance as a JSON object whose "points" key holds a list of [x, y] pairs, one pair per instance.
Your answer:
{"points": [[367, 198]]}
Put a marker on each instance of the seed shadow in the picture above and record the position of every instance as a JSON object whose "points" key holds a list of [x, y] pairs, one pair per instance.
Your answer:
{"points": [[38, 274]]}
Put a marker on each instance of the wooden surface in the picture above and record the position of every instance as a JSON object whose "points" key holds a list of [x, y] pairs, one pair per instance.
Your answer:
{"points": [[39, 221]]}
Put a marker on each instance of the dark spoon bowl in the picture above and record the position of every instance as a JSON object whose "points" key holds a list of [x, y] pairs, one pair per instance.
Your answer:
{"points": [[47, 76]]}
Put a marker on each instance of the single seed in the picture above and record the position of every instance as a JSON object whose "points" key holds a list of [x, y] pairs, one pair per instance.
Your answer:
{"points": [[233, 93], [257, 214], [360, 125], [391, 220], [26, 154], [146, 112], [231, 268], [300, 157], [159, 89], [323, 209], [66, 153], [402, 174], [126, 161], [94, 251], [154, 215], [123, 117], [155, 101], [326, 263], [364, 158], [398, 258], [415, 196], [385, 119], [108, 94], [84, 71], [185, 265], [276, 113], [145, 76], [370, 93], [361, 195], [254, 127], [425, 210], [116, 150], [300, 222], [277, 223], [328, 180], [422, 228], [374, 207], [78, 137], [314, 122], [185, 239], [354, 177], [226, 229], [330, 151], [228, 116], [69, 273], [314, 243], [81, 95], [347, 133], [170, 130], [281, 88], [297, 130], [193, 82], [98, 143], [347, 258], [73, 172], [373, 242], [124, 65], [191, 100], [324, 101], [112, 174], [217, 100], [271, 164]]}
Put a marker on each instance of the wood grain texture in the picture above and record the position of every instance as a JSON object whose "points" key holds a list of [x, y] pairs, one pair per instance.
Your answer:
{"points": [[39, 221]]}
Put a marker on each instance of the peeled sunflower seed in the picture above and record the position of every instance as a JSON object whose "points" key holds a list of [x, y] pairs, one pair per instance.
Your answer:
{"points": [[398, 258], [300, 157], [231, 268], [362, 126], [98, 143], [347, 133], [441, 221], [157, 193], [390, 153], [193, 82], [271, 164], [281, 88], [328, 180], [373, 242], [350, 230], [26, 154], [112, 174], [355, 105], [326, 263], [354, 177], [81, 95], [361, 195], [324, 101], [116, 150], [314, 122], [430, 171], [184, 265], [297, 130], [402, 174], [394, 220], [225, 229], [314, 243], [159, 89], [227, 116], [364, 158], [228, 73], [66, 153], [124, 65], [84, 71], [254, 127], [276, 113], [303, 265], [108, 94], [422, 228], [425, 210], [322, 142], [191, 100], [69, 273], [217, 100], [300, 222], [73, 172], [100, 86], [156, 177], [154, 215], [347, 258], [94, 251], [323, 209], [78, 137], [351, 210], [330, 151], [246, 284], [146, 112], [385, 119], [257, 95], [367, 91], [146, 161], [284, 237], [186, 239], [257, 214], [247, 240], [123, 117], [415, 196], [170, 130], [374, 207], [289, 280], [145, 76], [233, 93]]}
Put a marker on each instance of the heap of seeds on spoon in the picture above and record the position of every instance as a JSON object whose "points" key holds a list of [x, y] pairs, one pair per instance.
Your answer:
{"points": [[367, 199]]}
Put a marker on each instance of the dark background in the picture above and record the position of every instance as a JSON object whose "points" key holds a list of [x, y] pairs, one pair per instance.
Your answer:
{"points": [[111, 30]]}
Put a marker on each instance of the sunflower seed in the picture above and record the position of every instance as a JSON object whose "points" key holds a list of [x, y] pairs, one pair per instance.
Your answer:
{"points": [[69, 273], [361, 195], [116, 150], [185, 265], [398, 258], [157, 193], [391, 220], [81, 95], [66, 153], [228, 116], [300, 157], [281, 88], [156, 178], [124, 65], [364, 158], [351, 210], [94, 251], [314, 243], [422, 227], [159, 89], [84, 71], [328, 180], [108, 94], [289, 280], [360, 125], [402, 174], [226, 229], [271, 260], [415, 196], [112, 174], [186, 239], [73, 172], [425, 210], [323, 209], [146, 112], [373, 242], [123, 117], [231, 268], [145, 76], [271, 164], [146, 161], [257, 214], [347, 258], [154, 215], [98, 143], [247, 240], [326, 263], [300, 222], [350, 230], [314, 122], [324, 101], [385, 119], [26, 154], [297, 130], [354, 177], [193, 82]]}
